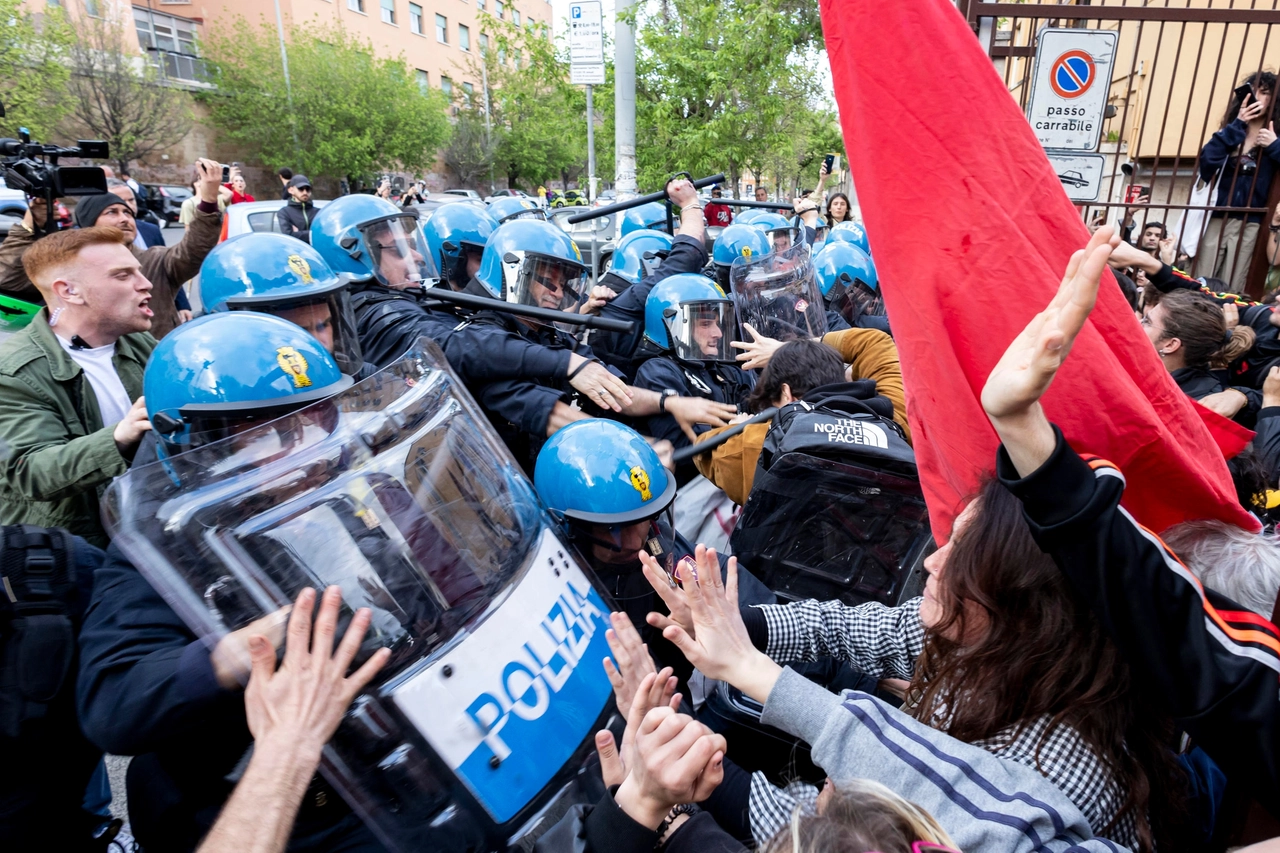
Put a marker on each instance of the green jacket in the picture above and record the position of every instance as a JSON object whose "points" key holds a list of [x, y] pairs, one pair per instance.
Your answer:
{"points": [[61, 456]]}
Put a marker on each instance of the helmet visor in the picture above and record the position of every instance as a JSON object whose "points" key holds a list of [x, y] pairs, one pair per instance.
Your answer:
{"points": [[328, 317], [545, 282], [778, 295], [854, 299], [525, 213], [620, 544], [398, 252], [701, 331], [784, 239]]}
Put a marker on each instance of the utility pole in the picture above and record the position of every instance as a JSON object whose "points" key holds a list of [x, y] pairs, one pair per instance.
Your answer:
{"points": [[488, 119], [624, 99], [288, 87]]}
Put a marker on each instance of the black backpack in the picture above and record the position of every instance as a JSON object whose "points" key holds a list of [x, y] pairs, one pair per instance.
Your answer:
{"points": [[39, 604], [836, 510]]}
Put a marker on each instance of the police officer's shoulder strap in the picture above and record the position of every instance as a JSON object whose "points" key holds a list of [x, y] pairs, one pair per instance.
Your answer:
{"points": [[37, 630], [37, 569]]}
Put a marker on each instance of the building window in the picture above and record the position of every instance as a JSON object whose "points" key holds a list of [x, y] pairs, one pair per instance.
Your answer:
{"points": [[480, 5], [484, 45], [515, 17], [388, 11], [170, 44], [470, 92], [446, 86], [415, 18], [442, 29], [423, 81], [91, 9], [517, 60], [356, 6], [464, 38], [498, 7]]}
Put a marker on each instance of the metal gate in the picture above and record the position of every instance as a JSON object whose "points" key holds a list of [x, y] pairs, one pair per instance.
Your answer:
{"points": [[1176, 66]]}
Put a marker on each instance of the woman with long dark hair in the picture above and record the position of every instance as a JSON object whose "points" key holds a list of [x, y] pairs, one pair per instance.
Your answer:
{"points": [[1242, 156], [838, 209], [997, 653]]}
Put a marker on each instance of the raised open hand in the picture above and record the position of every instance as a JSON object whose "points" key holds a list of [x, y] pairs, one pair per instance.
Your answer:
{"points": [[1024, 372]]}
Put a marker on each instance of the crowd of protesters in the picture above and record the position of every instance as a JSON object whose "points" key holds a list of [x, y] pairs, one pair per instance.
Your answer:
{"points": [[1065, 680]]}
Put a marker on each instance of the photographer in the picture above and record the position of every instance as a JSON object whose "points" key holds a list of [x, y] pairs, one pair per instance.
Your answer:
{"points": [[166, 267]]}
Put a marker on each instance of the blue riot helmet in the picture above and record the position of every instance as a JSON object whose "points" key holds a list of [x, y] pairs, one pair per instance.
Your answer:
{"points": [[848, 280], [532, 262], [508, 208], [607, 485], [366, 235], [275, 274], [221, 373], [690, 316], [749, 215], [781, 232], [639, 254], [652, 216], [738, 240], [456, 234], [850, 232]]}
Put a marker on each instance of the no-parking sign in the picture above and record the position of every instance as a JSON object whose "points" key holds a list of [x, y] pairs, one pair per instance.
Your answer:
{"points": [[1070, 87]]}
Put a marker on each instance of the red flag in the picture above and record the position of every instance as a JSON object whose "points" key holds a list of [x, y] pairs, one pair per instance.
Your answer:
{"points": [[971, 231]]}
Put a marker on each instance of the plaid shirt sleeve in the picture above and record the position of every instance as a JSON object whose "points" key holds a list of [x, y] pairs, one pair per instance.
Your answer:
{"points": [[770, 808], [1065, 759], [880, 641]]}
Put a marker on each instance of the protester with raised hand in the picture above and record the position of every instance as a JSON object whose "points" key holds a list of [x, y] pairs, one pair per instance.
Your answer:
{"points": [[1212, 667], [985, 802], [292, 712]]}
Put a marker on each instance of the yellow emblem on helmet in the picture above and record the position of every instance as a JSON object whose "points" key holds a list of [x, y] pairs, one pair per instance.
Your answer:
{"points": [[746, 251], [292, 363], [299, 265], [719, 289], [640, 480]]}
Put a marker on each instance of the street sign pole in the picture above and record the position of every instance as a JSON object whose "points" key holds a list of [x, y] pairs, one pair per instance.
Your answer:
{"points": [[591, 147]]}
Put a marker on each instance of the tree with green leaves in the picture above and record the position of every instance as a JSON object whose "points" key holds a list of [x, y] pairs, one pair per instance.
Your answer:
{"points": [[350, 112], [538, 116], [470, 151], [724, 86], [127, 104], [34, 51]]}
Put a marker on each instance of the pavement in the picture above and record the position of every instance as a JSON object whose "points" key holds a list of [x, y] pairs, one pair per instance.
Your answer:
{"points": [[173, 234]]}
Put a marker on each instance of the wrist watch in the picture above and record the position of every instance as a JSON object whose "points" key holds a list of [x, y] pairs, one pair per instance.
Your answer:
{"points": [[662, 398]]}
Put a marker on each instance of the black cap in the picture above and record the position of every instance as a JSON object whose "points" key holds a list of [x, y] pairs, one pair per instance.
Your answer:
{"points": [[90, 207], [300, 181]]}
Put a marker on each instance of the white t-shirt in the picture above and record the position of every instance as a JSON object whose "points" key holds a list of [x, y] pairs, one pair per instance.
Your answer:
{"points": [[113, 400]]}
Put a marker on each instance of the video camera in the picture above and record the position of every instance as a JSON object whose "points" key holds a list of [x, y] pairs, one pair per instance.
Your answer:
{"points": [[33, 168]]}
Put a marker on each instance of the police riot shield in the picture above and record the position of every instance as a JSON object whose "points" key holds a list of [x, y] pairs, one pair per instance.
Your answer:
{"points": [[778, 295], [398, 491]]}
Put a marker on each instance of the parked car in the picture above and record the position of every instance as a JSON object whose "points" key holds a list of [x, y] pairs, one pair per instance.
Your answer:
{"points": [[603, 228], [570, 198], [12, 202], [257, 216], [505, 194], [165, 200], [464, 193], [428, 205], [606, 197]]}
